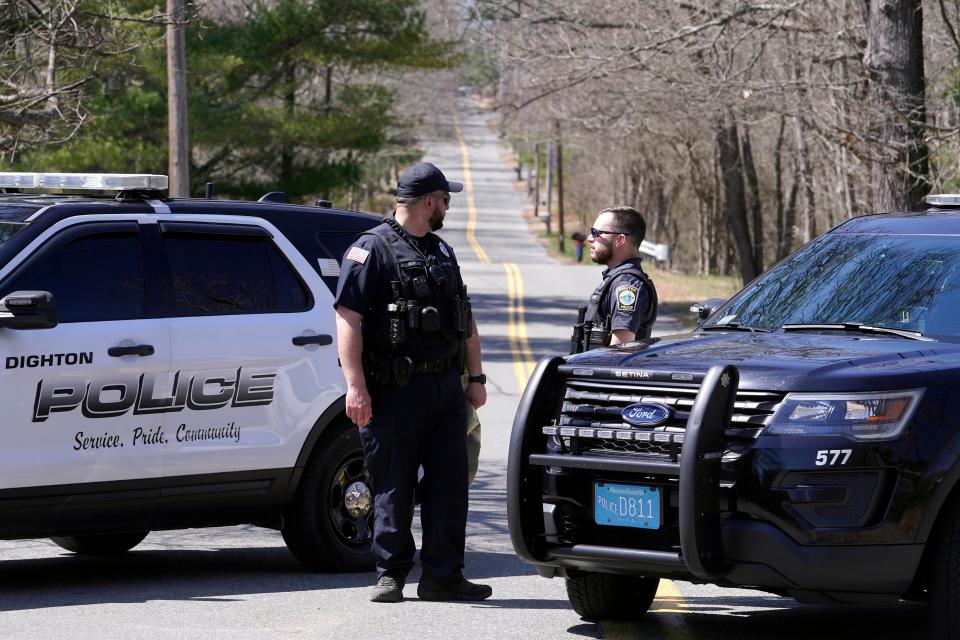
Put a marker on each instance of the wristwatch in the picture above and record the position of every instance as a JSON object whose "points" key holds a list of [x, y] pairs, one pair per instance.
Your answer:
{"points": [[482, 378]]}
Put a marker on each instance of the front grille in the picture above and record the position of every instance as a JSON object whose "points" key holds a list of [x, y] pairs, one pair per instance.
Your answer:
{"points": [[591, 412], [625, 446]]}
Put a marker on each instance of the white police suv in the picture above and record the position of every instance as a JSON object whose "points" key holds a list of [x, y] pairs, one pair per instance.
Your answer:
{"points": [[171, 363]]}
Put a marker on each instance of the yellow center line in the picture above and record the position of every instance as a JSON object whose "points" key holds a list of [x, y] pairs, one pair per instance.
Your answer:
{"points": [[523, 363], [668, 601], [518, 368], [471, 206]]}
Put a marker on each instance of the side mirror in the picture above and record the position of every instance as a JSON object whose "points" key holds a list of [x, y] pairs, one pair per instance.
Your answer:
{"points": [[706, 308], [28, 310]]}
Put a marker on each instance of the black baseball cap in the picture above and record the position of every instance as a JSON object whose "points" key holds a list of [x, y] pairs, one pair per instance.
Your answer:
{"points": [[423, 178]]}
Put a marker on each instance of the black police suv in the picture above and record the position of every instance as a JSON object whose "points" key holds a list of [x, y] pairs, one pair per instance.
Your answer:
{"points": [[803, 440]]}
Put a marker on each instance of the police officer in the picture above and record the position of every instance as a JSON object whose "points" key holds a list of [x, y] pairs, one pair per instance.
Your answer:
{"points": [[402, 317], [623, 307]]}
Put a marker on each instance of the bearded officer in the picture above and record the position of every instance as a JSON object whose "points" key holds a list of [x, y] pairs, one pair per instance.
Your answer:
{"points": [[402, 317], [623, 307]]}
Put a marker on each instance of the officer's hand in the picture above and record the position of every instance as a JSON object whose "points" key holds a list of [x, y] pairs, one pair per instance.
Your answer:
{"points": [[358, 406], [476, 394]]}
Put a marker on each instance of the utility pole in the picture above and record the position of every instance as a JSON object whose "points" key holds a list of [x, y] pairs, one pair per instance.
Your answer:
{"points": [[560, 232], [178, 149], [550, 161], [536, 188], [529, 180]]}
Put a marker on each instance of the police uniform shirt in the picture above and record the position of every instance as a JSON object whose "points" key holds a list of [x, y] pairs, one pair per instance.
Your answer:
{"points": [[628, 301], [366, 272]]}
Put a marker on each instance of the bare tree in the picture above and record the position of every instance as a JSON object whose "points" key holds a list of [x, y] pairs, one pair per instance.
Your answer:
{"points": [[656, 88], [48, 53], [894, 58]]}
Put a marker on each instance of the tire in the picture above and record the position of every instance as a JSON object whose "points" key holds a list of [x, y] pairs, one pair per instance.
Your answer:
{"points": [[944, 576], [320, 528], [103, 544], [607, 596]]}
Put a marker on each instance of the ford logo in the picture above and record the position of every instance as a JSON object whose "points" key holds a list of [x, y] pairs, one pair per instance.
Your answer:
{"points": [[646, 414]]}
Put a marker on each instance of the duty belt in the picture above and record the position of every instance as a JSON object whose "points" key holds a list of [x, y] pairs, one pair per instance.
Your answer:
{"points": [[396, 370], [432, 366]]}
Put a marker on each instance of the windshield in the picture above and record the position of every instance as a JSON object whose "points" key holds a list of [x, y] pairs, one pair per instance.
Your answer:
{"points": [[900, 282]]}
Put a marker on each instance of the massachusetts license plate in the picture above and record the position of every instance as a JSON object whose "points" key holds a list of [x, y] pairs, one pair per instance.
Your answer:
{"points": [[626, 505]]}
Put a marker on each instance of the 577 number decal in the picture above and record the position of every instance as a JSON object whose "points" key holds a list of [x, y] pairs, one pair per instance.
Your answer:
{"points": [[831, 457]]}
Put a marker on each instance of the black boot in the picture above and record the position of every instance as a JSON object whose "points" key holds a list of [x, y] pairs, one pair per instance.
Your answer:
{"points": [[462, 591], [389, 588]]}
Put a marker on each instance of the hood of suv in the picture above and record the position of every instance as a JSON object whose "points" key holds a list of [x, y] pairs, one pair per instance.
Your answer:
{"points": [[793, 361]]}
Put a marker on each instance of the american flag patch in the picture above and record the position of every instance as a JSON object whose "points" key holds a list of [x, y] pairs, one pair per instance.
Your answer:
{"points": [[357, 254]]}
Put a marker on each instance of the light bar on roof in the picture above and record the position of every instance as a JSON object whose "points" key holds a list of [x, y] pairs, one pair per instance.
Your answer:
{"points": [[944, 200], [18, 180], [83, 181]]}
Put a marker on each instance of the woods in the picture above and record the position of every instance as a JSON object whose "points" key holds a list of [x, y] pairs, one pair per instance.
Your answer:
{"points": [[283, 95], [742, 129]]}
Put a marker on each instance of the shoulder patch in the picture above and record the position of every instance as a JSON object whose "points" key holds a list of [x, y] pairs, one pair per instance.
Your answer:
{"points": [[358, 255], [443, 249], [626, 298]]}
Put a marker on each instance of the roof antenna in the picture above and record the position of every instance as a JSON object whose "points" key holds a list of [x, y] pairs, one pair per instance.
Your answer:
{"points": [[208, 191]]}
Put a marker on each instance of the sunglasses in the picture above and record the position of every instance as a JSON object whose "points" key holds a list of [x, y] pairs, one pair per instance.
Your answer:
{"points": [[599, 232], [445, 196]]}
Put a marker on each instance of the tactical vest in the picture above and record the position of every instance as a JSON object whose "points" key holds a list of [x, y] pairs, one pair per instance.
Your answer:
{"points": [[599, 324], [424, 313]]}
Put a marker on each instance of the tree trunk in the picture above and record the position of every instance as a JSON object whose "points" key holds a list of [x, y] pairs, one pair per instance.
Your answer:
{"points": [[702, 255], [734, 200], [805, 176], [894, 60], [328, 87], [778, 190], [716, 217], [789, 222], [756, 205], [846, 172], [290, 104]]}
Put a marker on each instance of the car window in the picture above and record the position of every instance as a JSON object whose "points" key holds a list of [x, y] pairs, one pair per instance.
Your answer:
{"points": [[217, 274], [333, 244], [895, 281], [291, 293], [95, 277], [10, 229]]}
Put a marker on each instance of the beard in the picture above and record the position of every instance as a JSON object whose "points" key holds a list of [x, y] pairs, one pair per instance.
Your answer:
{"points": [[436, 218], [601, 254]]}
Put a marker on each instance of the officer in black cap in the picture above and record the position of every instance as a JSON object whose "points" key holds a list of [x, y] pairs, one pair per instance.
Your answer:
{"points": [[623, 307], [403, 318]]}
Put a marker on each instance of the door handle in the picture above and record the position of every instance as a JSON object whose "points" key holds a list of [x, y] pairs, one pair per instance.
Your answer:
{"points": [[323, 340], [135, 350]]}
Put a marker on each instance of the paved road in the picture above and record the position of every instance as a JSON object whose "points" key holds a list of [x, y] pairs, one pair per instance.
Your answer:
{"points": [[525, 305], [240, 582]]}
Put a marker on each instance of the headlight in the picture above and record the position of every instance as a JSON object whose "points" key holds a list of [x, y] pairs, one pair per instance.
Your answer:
{"points": [[859, 416]]}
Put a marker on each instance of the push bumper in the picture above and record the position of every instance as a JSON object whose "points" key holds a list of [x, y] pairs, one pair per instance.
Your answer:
{"points": [[727, 552]]}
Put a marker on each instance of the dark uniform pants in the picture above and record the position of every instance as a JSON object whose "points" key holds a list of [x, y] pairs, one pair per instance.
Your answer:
{"points": [[421, 423]]}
